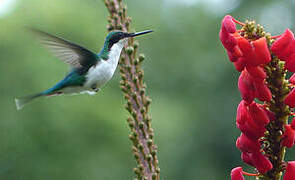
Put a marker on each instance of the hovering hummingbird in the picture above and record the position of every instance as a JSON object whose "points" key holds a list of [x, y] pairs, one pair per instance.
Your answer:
{"points": [[89, 71]]}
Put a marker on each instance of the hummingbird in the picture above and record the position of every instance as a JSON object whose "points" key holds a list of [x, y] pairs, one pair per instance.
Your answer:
{"points": [[89, 71]]}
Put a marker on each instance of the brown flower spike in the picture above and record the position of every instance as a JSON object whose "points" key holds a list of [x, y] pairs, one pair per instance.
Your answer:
{"points": [[133, 87]]}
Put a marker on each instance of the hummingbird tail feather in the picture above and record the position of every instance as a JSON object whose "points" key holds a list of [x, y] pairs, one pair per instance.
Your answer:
{"points": [[20, 102]]}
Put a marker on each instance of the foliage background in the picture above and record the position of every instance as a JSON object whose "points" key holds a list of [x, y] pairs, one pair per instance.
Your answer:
{"points": [[191, 82]]}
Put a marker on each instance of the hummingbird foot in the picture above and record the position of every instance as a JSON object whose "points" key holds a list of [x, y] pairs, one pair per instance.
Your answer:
{"points": [[95, 88]]}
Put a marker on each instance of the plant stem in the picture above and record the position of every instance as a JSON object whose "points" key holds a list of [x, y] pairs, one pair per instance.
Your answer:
{"points": [[133, 87]]}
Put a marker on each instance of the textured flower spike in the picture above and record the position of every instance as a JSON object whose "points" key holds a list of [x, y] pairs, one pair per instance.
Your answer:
{"points": [[263, 78], [290, 171]]}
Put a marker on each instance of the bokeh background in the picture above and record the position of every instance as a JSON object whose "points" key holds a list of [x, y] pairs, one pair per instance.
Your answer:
{"points": [[191, 82]]}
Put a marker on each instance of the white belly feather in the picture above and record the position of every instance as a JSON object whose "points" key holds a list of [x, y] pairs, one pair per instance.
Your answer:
{"points": [[101, 73]]}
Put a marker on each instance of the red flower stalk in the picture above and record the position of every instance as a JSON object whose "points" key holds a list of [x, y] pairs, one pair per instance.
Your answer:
{"points": [[263, 123]]}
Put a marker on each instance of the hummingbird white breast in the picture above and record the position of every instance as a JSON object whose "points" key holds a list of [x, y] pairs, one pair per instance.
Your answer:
{"points": [[104, 70]]}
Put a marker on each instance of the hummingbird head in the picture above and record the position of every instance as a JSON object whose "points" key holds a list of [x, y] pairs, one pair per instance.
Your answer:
{"points": [[120, 37]]}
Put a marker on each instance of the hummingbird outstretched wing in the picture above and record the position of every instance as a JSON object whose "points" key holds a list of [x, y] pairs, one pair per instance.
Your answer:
{"points": [[71, 53]]}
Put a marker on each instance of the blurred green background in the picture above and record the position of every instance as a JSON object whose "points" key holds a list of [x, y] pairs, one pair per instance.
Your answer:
{"points": [[191, 82]]}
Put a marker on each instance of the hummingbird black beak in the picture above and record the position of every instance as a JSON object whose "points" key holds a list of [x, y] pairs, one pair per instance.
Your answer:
{"points": [[139, 33]]}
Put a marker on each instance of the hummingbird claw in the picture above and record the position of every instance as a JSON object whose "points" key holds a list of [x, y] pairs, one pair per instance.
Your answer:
{"points": [[94, 87]]}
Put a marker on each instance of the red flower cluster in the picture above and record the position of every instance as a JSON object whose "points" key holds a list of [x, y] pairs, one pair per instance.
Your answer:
{"points": [[250, 57]]}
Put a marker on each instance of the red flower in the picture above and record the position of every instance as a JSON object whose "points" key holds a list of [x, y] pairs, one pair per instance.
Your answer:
{"points": [[290, 171], [250, 87], [292, 79], [246, 87], [240, 64], [258, 115], [237, 174], [256, 72], [290, 99], [261, 51], [284, 49], [288, 136], [261, 91], [246, 157], [247, 145], [280, 46], [293, 123], [246, 124], [261, 163], [251, 129]]}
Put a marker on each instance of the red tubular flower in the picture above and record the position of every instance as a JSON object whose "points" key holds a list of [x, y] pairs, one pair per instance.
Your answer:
{"points": [[237, 174], [290, 99], [284, 49], [261, 51], [258, 115], [242, 113], [280, 46], [261, 91], [246, 124], [292, 79], [251, 129], [246, 157], [228, 24], [240, 64], [248, 51], [247, 145], [261, 163], [290, 171], [246, 87], [290, 63], [293, 123], [256, 72], [288, 136]]}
